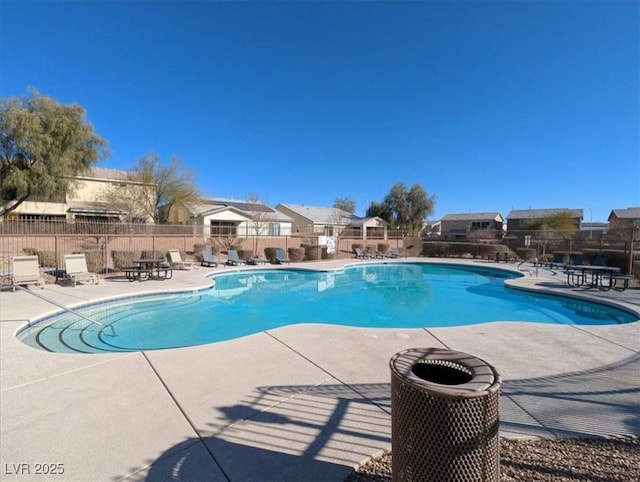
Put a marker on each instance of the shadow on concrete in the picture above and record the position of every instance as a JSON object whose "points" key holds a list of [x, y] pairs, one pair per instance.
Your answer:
{"points": [[298, 432]]}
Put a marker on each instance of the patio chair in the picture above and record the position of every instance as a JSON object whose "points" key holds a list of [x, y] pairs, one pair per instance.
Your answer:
{"points": [[175, 259], [578, 260], [207, 259], [75, 267], [556, 262], [360, 254], [233, 259], [281, 257], [25, 270], [395, 253], [599, 260]]}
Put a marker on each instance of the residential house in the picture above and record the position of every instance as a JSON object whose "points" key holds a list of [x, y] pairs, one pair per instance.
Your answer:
{"points": [[590, 231], [316, 221], [323, 221], [95, 196], [233, 218], [519, 221], [472, 226], [623, 221]]}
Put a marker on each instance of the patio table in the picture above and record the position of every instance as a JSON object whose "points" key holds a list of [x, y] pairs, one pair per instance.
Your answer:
{"points": [[149, 268], [590, 276]]}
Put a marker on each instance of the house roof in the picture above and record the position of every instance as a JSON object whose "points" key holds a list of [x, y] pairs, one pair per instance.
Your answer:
{"points": [[320, 215], [628, 213], [248, 209], [542, 213], [473, 217], [356, 221], [93, 207]]}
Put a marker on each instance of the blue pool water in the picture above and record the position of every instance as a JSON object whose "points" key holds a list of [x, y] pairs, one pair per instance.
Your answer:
{"points": [[402, 295]]}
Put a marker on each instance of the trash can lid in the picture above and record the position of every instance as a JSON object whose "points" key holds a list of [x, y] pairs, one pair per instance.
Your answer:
{"points": [[445, 372]]}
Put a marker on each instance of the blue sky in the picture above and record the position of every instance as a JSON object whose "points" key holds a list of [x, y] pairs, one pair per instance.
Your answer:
{"points": [[490, 106]]}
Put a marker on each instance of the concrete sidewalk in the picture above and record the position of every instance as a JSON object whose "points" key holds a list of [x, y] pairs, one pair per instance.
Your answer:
{"points": [[305, 402]]}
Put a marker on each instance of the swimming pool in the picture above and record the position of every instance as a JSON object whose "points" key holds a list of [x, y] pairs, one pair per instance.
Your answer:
{"points": [[389, 295]]}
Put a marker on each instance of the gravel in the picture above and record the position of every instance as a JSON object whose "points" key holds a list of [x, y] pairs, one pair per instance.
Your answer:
{"points": [[564, 460]]}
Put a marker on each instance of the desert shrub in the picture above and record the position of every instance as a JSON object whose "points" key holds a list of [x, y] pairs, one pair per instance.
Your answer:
{"points": [[245, 254], [311, 252], [451, 249], [383, 248], [45, 258], [150, 254], [356, 245], [197, 251], [295, 255], [237, 247], [122, 259], [325, 254], [270, 254], [526, 253], [371, 249], [95, 260]]}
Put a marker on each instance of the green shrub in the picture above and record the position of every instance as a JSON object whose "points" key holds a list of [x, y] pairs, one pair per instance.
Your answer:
{"points": [[295, 255]]}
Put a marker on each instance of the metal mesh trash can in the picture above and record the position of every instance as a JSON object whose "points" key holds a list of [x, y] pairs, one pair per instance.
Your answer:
{"points": [[444, 417]]}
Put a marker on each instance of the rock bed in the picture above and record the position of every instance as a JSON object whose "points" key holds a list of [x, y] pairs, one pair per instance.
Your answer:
{"points": [[565, 460]]}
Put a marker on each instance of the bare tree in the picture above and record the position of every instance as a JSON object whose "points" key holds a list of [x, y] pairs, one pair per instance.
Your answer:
{"points": [[261, 218]]}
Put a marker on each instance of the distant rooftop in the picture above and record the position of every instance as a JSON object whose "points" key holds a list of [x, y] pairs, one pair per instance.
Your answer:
{"points": [[543, 213]]}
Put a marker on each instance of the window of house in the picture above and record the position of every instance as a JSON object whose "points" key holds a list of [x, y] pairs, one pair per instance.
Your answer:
{"points": [[274, 229], [224, 228]]}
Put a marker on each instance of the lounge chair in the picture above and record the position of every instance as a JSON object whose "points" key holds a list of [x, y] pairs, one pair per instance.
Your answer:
{"points": [[395, 253], [25, 270], [360, 254], [599, 260], [281, 258], [75, 267], [233, 259], [556, 262], [207, 259], [175, 259], [578, 260]]}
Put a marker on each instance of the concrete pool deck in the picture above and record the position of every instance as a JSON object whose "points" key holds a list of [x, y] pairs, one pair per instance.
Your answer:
{"points": [[305, 402]]}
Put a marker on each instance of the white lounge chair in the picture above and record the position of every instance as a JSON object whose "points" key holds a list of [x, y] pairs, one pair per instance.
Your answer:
{"points": [[75, 266], [175, 259], [25, 270]]}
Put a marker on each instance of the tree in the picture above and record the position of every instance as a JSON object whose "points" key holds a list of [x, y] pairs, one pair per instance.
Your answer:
{"points": [[43, 144], [261, 217], [162, 186], [345, 204], [402, 209], [556, 225]]}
